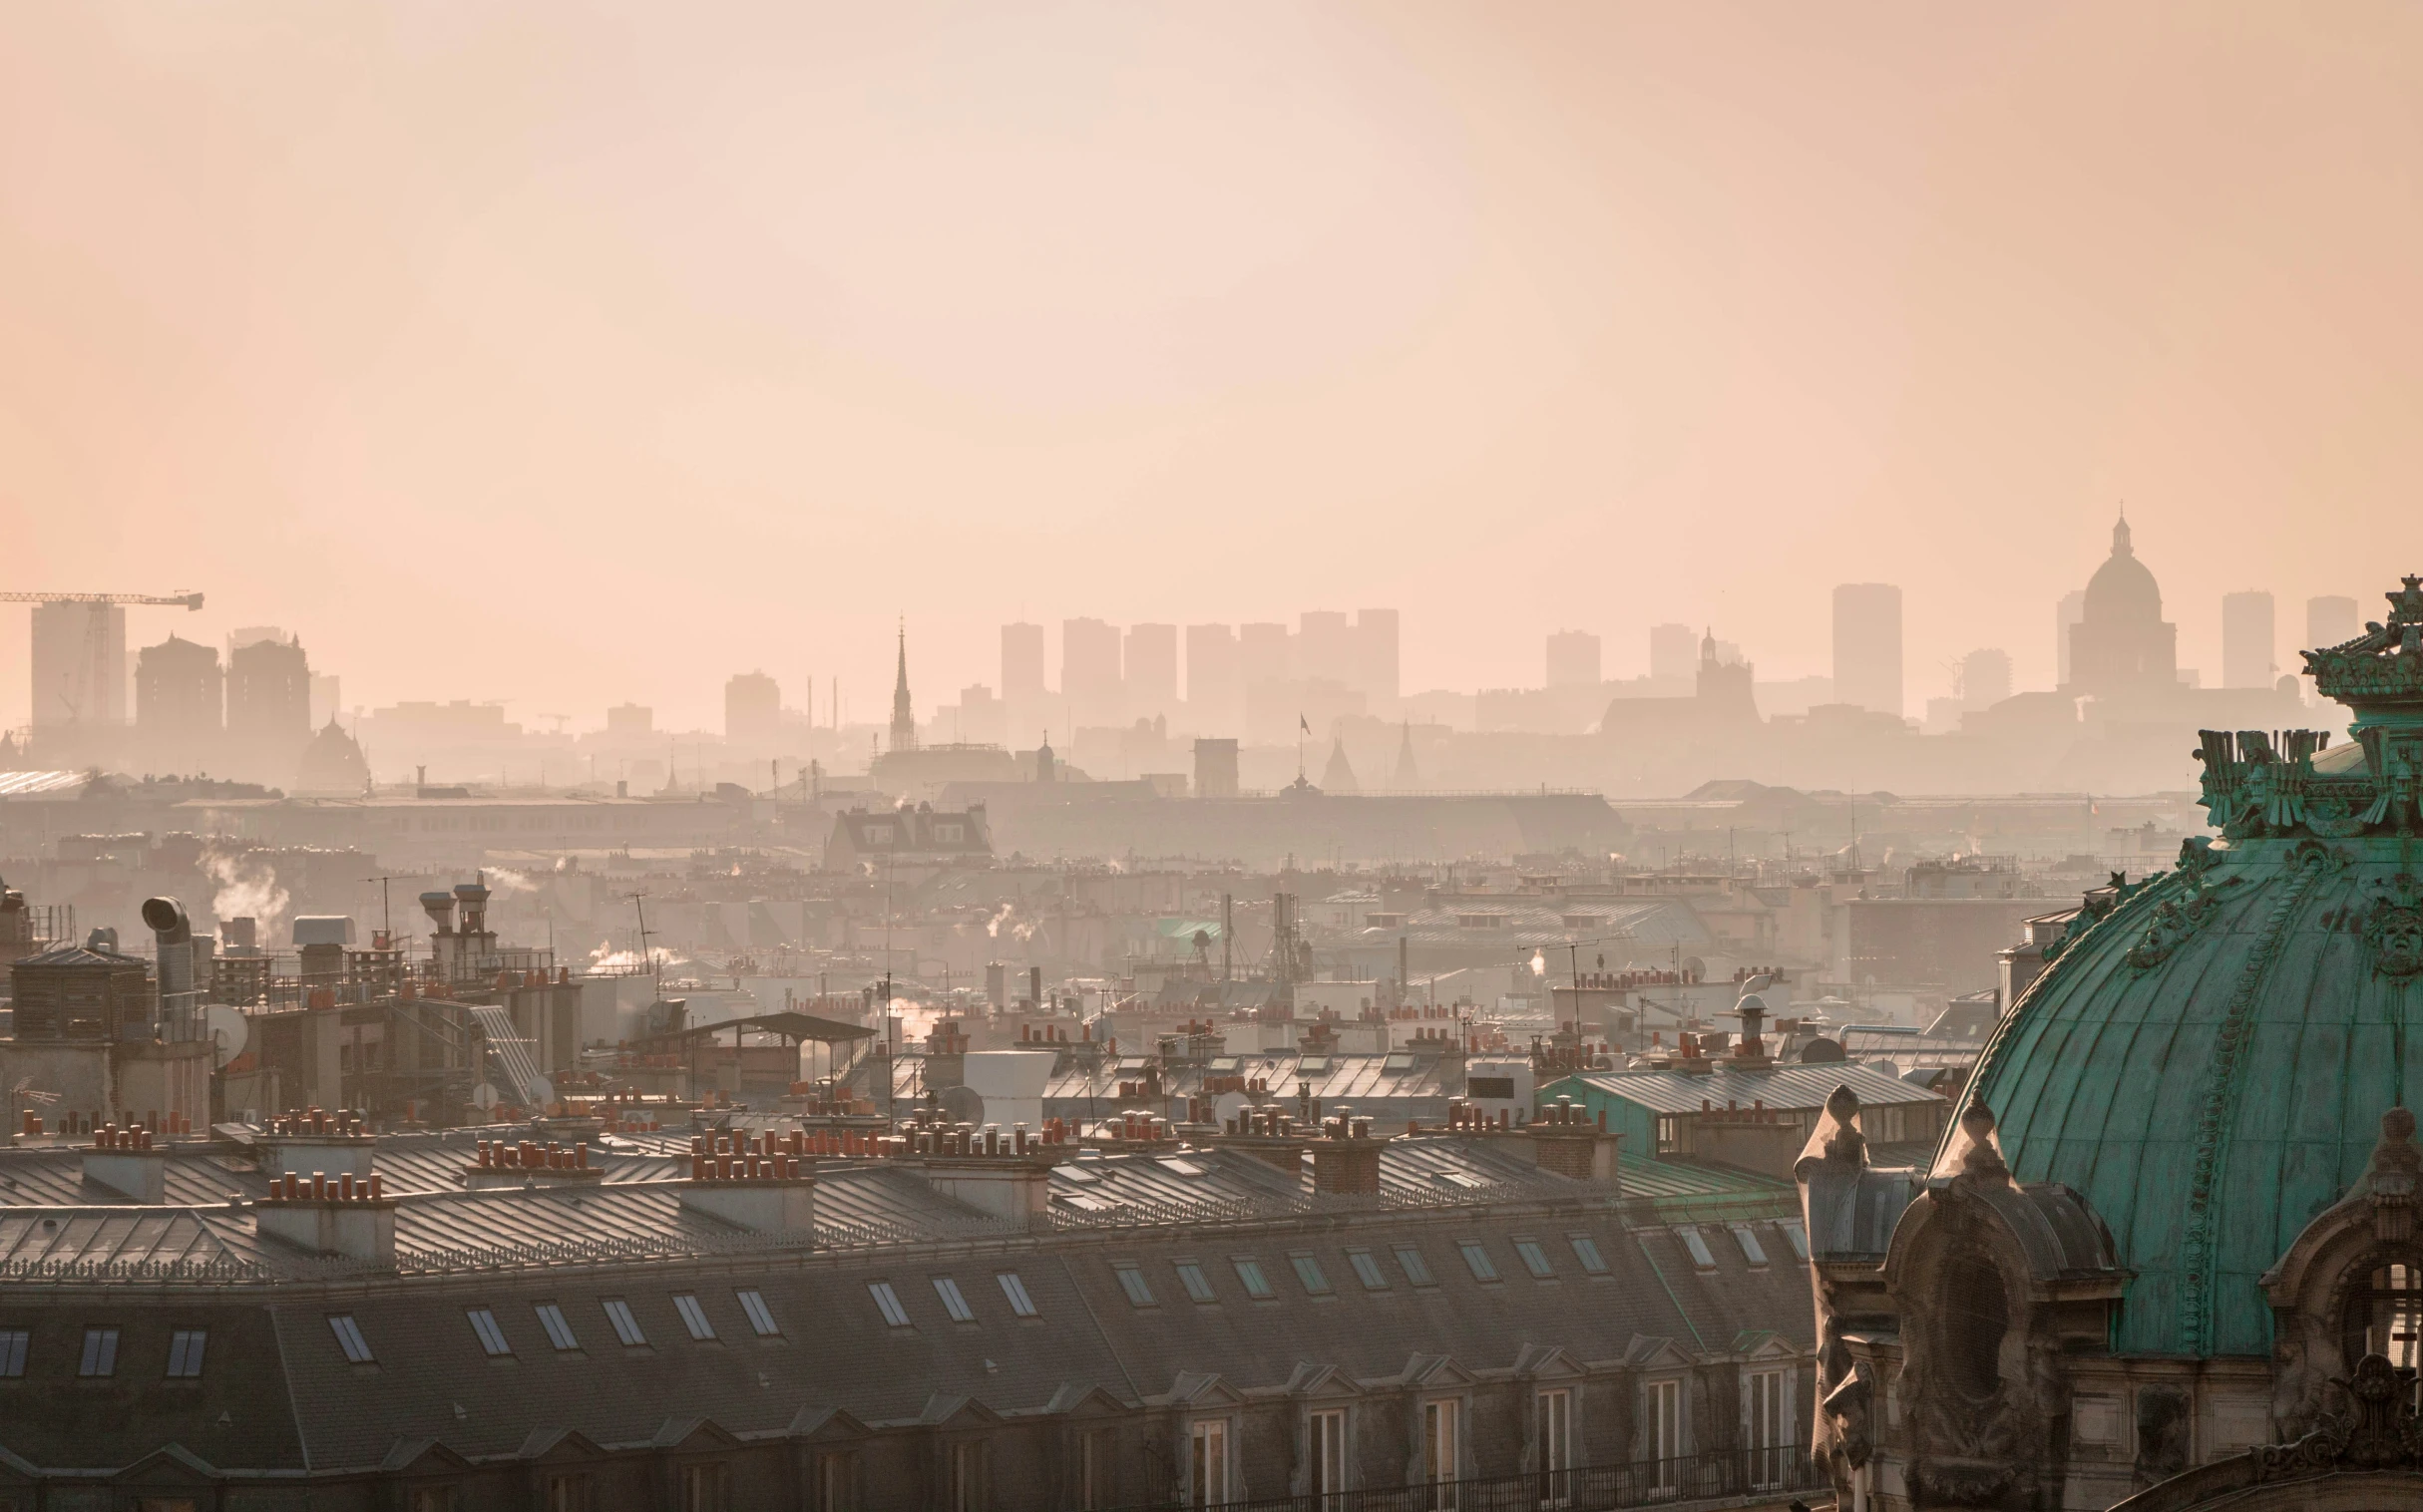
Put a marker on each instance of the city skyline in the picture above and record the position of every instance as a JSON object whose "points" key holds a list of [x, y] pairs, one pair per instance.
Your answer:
{"points": [[1107, 685], [1864, 314]]}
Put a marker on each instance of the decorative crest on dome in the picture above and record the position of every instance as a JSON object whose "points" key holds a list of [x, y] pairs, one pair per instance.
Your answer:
{"points": [[2382, 665], [1839, 1134], [2393, 930], [2382, 1432], [1974, 1154]]}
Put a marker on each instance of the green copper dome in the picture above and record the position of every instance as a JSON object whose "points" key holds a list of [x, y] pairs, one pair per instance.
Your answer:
{"points": [[2208, 1056]]}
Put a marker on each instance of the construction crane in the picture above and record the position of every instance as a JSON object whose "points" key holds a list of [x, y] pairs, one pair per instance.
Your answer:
{"points": [[188, 601], [91, 674]]}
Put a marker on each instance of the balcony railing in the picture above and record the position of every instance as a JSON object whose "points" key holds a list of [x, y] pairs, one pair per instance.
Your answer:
{"points": [[1727, 1476]]}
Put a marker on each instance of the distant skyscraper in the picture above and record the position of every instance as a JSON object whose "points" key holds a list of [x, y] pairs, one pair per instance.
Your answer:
{"points": [[635, 719], [1985, 678], [269, 706], [2072, 609], [1867, 646], [180, 691], [983, 719], [1089, 673], [1376, 655], [1215, 768], [80, 665], [1215, 678], [1573, 659], [1674, 651], [753, 709], [2248, 641], [903, 711], [1151, 669], [1022, 662], [1264, 654], [328, 694], [2330, 621], [1325, 647]]}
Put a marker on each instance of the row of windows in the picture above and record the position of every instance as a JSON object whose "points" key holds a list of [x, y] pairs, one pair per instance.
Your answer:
{"points": [[562, 1334], [100, 1354], [558, 1327], [1366, 1266], [1704, 1259], [954, 1302]]}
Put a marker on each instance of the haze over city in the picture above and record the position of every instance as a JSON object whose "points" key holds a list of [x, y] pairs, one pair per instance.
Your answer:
{"points": [[1633, 756], [710, 343]]}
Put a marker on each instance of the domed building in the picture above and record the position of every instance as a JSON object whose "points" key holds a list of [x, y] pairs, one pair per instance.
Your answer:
{"points": [[2167, 1253], [2122, 644], [332, 764]]}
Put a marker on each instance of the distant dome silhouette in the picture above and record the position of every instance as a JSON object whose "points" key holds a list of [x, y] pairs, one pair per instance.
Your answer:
{"points": [[332, 763], [2122, 590]]}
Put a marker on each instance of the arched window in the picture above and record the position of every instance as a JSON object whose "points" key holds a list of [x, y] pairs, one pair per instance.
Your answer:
{"points": [[2385, 1317], [1975, 1316]]}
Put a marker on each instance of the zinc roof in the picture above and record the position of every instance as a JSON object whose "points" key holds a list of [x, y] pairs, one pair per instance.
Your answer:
{"points": [[1782, 1087]]}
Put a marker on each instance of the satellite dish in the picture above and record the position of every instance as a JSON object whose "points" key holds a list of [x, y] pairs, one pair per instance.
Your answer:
{"points": [[1695, 965], [1227, 1106], [229, 1029], [484, 1097], [964, 1105], [543, 1090]]}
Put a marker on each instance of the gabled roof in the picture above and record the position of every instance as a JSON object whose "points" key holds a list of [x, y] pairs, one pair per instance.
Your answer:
{"points": [[945, 1410], [81, 955], [1194, 1389], [1311, 1379], [423, 1454], [692, 1433], [181, 1463], [1545, 1359], [559, 1444], [1763, 1344], [825, 1422], [1433, 1371], [1082, 1396], [1647, 1353]]}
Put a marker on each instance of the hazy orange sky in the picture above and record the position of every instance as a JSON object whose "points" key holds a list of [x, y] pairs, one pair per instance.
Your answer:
{"points": [[566, 353]]}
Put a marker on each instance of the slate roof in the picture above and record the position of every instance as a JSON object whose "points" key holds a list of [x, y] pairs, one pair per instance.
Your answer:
{"points": [[1785, 1088], [291, 1400]]}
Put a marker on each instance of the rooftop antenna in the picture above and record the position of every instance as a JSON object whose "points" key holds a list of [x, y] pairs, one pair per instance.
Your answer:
{"points": [[386, 912]]}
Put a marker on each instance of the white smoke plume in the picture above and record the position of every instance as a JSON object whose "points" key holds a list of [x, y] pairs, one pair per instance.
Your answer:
{"points": [[606, 959], [504, 881], [247, 886]]}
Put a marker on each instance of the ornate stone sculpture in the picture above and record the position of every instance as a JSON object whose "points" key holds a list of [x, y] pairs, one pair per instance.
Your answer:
{"points": [[2380, 1432]]}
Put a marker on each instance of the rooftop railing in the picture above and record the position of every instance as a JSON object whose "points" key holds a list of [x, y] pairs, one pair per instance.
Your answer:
{"points": [[1723, 1475]]}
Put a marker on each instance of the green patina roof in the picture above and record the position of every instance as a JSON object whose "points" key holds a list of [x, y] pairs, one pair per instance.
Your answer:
{"points": [[2207, 1063]]}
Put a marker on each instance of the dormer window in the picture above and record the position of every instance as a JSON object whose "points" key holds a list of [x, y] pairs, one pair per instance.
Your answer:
{"points": [[2385, 1317], [1976, 1316]]}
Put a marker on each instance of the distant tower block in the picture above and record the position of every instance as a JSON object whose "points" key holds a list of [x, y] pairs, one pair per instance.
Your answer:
{"points": [[1867, 646], [2248, 641], [753, 709], [1216, 768], [1674, 651], [1022, 662], [2332, 621], [1573, 659]]}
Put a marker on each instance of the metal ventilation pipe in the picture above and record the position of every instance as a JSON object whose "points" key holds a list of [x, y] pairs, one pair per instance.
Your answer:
{"points": [[173, 934]]}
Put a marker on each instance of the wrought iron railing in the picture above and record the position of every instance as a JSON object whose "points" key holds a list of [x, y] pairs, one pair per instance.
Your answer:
{"points": [[1725, 1475]]}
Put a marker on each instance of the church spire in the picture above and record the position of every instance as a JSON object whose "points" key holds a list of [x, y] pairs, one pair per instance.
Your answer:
{"points": [[2120, 536], [904, 714]]}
